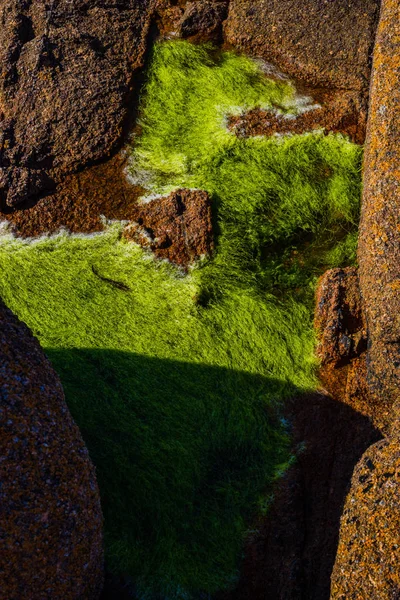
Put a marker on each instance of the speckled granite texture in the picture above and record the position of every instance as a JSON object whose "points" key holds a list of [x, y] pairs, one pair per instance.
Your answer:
{"points": [[368, 557], [367, 562], [379, 248], [50, 515]]}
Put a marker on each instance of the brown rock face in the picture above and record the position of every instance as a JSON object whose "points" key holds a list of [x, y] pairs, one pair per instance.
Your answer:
{"points": [[67, 73], [50, 516], [178, 227], [337, 113], [367, 562], [342, 341], [379, 249], [198, 20], [326, 44]]}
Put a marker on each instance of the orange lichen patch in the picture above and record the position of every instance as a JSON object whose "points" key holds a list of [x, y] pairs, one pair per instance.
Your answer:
{"points": [[339, 113], [379, 248], [50, 518], [367, 562]]}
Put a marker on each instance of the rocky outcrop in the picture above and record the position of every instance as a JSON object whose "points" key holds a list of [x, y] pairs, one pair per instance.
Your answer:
{"points": [[367, 561], [342, 341], [178, 227], [67, 74], [50, 516], [379, 249], [324, 44], [369, 547], [198, 20]]}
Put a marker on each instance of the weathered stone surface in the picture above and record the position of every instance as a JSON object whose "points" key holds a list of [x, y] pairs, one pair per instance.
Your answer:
{"points": [[198, 20], [50, 515], [66, 77], [367, 562], [334, 112], [379, 248], [178, 227], [342, 342], [322, 43]]}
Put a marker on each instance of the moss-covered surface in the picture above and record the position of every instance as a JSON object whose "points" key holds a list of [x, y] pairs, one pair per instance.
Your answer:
{"points": [[176, 381]]}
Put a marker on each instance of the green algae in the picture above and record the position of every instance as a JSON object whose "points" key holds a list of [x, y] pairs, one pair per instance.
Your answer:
{"points": [[176, 381]]}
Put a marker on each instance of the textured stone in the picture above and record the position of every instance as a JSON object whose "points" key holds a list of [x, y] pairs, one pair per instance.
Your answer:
{"points": [[342, 342], [325, 44], [290, 553], [198, 20], [67, 71], [379, 248], [50, 514], [178, 227], [367, 562]]}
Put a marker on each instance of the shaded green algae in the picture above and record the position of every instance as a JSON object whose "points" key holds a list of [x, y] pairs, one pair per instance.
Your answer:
{"points": [[177, 384]]}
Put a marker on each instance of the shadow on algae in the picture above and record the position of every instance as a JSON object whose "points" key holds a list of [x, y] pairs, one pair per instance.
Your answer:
{"points": [[177, 381]]}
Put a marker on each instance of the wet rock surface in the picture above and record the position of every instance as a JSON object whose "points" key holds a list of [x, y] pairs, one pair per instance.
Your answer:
{"points": [[379, 249], [342, 341], [178, 227], [50, 518], [67, 75], [324, 44], [198, 20], [367, 562], [337, 113]]}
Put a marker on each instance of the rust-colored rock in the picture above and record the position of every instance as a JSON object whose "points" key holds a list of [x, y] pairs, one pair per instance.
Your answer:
{"points": [[367, 562], [66, 79], [337, 113], [198, 20], [379, 248], [79, 201], [342, 341], [178, 228], [50, 516], [324, 44]]}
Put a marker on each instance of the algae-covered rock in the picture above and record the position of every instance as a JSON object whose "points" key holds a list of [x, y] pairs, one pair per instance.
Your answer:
{"points": [[50, 516]]}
